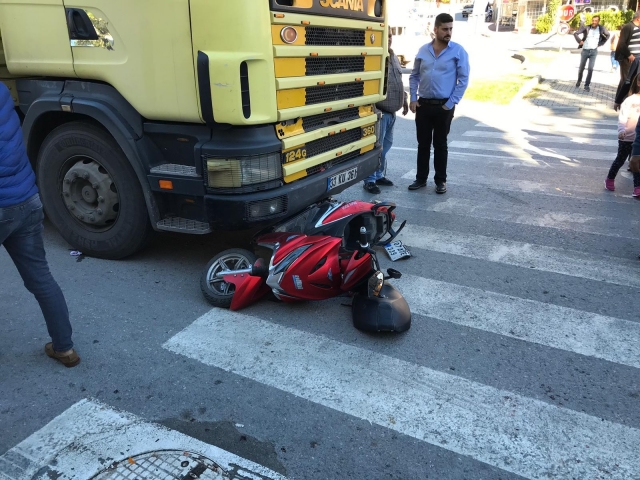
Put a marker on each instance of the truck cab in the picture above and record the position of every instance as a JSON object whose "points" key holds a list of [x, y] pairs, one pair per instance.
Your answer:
{"points": [[192, 115]]}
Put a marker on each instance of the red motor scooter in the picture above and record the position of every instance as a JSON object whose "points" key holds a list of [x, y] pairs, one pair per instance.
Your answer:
{"points": [[322, 252]]}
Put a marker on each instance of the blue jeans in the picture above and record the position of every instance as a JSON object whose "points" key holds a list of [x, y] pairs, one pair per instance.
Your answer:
{"points": [[587, 54], [21, 235], [386, 139], [614, 62]]}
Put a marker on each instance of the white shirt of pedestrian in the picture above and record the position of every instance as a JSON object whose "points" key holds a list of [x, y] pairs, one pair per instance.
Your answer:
{"points": [[593, 37]]}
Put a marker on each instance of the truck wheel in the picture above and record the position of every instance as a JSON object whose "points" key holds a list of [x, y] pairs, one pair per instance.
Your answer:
{"points": [[91, 193], [218, 292]]}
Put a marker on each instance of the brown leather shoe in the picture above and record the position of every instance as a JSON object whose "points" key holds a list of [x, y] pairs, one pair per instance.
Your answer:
{"points": [[69, 358]]}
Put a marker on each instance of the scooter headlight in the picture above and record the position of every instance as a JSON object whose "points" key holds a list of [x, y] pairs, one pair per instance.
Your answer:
{"points": [[375, 283]]}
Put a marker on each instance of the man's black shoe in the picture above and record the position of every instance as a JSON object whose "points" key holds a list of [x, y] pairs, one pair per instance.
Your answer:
{"points": [[417, 184], [586, 88], [385, 182], [371, 187], [577, 84], [441, 188]]}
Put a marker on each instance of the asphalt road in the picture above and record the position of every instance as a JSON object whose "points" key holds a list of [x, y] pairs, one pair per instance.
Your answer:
{"points": [[522, 362]]}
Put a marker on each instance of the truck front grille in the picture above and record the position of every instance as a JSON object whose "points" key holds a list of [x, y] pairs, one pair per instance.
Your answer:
{"points": [[333, 65], [332, 93], [325, 119], [332, 163], [318, 147], [335, 37]]}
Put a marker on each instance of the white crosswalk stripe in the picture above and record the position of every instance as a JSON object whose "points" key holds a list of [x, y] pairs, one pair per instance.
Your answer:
{"points": [[527, 186], [543, 138], [525, 255], [555, 121], [568, 128], [611, 339], [552, 152], [495, 426], [74, 446], [522, 214], [517, 158]]}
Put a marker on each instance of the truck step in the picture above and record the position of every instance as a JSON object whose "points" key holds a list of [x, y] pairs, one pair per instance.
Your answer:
{"points": [[183, 225], [175, 170]]}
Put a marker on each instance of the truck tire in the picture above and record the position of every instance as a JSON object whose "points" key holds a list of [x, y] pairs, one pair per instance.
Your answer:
{"points": [[91, 193], [218, 292]]}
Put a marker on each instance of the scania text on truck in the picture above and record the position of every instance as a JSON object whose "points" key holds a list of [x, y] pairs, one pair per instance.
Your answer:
{"points": [[191, 115]]}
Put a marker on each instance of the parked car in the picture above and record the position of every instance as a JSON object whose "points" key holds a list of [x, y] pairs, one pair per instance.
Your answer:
{"points": [[467, 10]]}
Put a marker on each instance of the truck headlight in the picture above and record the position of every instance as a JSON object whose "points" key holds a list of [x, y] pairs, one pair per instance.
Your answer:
{"points": [[242, 171]]}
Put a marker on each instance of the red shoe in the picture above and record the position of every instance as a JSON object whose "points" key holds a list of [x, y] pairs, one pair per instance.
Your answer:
{"points": [[609, 184], [636, 193]]}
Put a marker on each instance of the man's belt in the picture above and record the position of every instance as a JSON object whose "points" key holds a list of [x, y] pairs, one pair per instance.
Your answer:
{"points": [[432, 101]]}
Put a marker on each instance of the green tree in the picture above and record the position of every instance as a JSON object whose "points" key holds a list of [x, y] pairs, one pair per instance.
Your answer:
{"points": [[545, 22], [611, 20]]}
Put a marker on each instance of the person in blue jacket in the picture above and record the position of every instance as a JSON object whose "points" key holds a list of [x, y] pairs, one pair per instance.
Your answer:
{"points": [[21, 229]]}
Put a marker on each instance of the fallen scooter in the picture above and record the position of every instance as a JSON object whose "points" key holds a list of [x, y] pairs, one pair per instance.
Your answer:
{"points": [[323, 252]]}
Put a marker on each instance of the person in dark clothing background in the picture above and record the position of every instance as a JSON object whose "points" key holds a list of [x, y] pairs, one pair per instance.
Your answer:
{"points": [[628, 46], [623, 90], [396, 99], [21, 217]]}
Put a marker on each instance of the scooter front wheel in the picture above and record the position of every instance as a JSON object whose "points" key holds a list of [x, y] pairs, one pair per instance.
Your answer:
{"points": [[218, 292]]}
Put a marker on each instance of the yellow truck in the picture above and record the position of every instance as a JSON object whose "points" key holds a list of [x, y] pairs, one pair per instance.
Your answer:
{"points": [[192, 115]]}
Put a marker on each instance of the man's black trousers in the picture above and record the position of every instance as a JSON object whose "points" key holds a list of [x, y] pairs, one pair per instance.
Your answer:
{"points": [[433, 123]]}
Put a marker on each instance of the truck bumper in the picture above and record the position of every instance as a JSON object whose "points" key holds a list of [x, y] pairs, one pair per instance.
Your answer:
{"points": [[237, 212]]}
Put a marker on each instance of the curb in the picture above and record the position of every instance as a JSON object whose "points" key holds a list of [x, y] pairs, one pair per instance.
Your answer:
{"points": [[527, 88]]}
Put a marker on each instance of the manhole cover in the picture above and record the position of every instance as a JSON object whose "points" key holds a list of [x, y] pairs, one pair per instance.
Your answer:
{"points": [[166, 465]]}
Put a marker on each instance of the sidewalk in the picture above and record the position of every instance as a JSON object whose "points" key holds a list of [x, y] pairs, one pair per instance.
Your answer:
{"points": [[492, 57], [557, 88]]}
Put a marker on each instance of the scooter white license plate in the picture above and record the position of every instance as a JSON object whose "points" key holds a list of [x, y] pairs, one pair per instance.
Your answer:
{"points": [[396, 250]]}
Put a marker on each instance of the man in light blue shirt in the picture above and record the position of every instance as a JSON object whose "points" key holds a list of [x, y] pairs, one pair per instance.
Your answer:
{"points": [[439, 79]]}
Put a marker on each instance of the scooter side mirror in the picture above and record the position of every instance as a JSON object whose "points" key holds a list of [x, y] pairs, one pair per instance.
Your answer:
{"points": [[393, 273]]}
